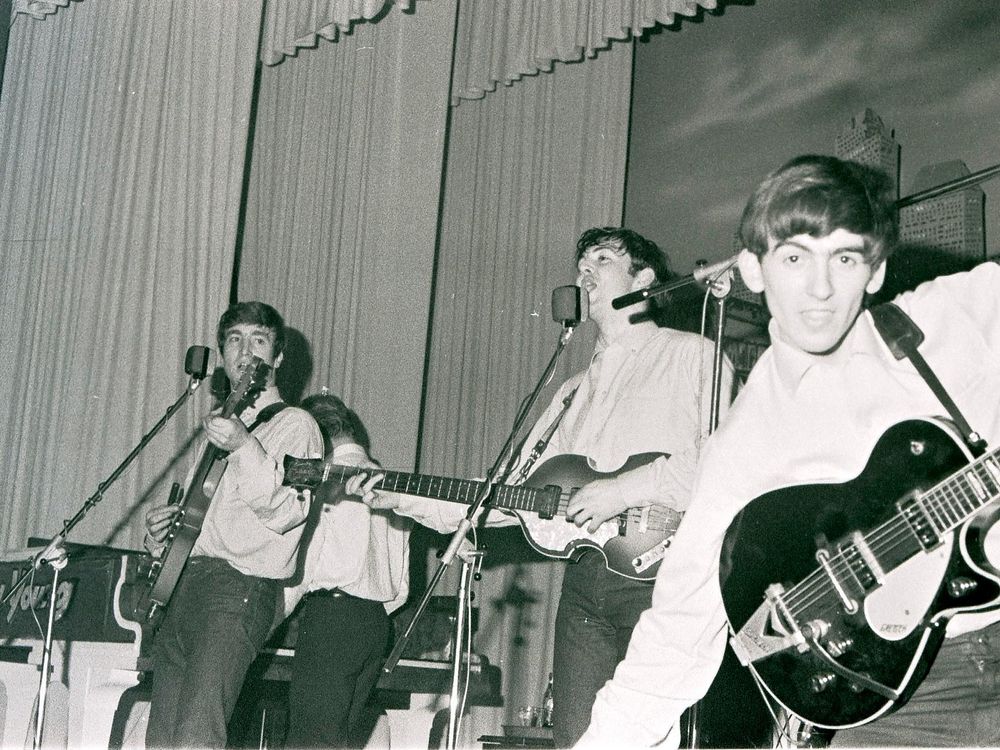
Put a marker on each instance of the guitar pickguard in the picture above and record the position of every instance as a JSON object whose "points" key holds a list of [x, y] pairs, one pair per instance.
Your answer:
{"points": [[897, 609]]}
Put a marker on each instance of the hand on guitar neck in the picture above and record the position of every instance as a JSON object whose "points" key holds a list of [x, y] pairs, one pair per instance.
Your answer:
{"points": [[632, 539]]}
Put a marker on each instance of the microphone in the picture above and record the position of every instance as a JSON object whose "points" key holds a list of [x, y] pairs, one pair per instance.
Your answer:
{"points": [[710, 272], [570, 305], [701, 275], [196, 361]]}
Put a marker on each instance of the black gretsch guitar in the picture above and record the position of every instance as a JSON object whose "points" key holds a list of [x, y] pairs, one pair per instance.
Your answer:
{"points": [[166, 571], [839, 594], [633, 544]]}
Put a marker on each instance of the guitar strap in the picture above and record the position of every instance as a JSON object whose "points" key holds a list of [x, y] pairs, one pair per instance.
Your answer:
{"points": [[266, 414], [903, 336], [543, 441]]}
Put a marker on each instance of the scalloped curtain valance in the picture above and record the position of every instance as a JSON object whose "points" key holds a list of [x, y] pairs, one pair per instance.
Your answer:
{"points": [[500, 42], [497, 41]]}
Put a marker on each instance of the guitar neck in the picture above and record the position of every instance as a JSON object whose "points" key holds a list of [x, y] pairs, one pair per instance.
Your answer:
{"points": [[922, 519], [952, 502], [464, 491]]}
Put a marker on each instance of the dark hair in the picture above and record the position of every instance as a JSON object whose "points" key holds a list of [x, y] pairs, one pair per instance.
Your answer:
{"points": [[254, 313], [642, 252], [336, 420], [816, 195]]}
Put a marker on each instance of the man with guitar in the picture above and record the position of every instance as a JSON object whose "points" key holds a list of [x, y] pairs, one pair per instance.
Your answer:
{"points": [[647, 390], [220, 612], [355, 572], [862, 580]]}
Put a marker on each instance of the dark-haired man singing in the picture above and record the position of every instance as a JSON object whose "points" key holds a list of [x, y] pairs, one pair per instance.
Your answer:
{"points": [[647, 390]]}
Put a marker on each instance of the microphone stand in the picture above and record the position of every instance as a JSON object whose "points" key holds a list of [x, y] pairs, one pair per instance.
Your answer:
{"points": [[53, 553], [51, 550], [494, 477], [719, 278], [43, 681], [462, 634]]}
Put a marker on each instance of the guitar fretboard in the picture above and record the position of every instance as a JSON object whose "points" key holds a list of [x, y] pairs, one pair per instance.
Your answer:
{"points": [[465, 491], [953, 501]]}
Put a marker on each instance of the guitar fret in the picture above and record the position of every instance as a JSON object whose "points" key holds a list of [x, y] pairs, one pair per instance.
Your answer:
{"points": [[930, 504], [952, 501], [990, 486], [968, 501], [522, 498]]}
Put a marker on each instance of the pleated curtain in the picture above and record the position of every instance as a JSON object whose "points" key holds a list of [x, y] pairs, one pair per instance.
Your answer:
{"points": [[122, 141], [529, 168], [342, 211]]}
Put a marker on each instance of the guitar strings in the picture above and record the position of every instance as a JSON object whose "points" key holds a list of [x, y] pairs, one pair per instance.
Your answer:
{"points": [[892, 535]]}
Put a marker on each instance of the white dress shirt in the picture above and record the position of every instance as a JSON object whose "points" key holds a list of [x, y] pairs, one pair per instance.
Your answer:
{"points": [[800, 419], [362, 552], [648, 391]]}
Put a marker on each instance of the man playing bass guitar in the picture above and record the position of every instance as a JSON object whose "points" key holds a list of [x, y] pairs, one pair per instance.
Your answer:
{"points": [[221, 611], [828, 396], [647, 390]]}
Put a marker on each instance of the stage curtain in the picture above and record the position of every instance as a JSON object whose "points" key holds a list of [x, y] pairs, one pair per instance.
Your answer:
{"points": [[292, 24], [528, 169], [499, 42], [342, 212], [39, 9], [122, 142]]}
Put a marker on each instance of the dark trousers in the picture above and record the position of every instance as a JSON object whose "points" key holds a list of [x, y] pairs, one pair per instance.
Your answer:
{"points": [[339, 652], [216, 622], [956, 705], [597, 611]]}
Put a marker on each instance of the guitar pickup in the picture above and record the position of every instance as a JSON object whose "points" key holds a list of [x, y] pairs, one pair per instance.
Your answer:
{"points": [[548, 505], [919, 522]]}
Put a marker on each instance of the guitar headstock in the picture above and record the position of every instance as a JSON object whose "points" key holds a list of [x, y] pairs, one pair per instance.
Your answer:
{"points": [[252, 382], [304, 473]]}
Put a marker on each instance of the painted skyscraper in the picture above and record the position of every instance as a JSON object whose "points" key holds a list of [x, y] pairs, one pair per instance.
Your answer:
{"points": [[866, 140], [953, 222]]}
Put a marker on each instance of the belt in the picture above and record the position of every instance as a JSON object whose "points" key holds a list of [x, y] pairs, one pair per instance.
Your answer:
{"points": [[333, 594]]}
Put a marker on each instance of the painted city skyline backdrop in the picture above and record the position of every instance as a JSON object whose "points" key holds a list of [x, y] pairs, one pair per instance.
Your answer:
{"points": [[720, 101]]}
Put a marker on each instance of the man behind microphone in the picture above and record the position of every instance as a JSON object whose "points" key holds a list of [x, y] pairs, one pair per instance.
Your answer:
{"points": [[219, 615], [647, 389]]}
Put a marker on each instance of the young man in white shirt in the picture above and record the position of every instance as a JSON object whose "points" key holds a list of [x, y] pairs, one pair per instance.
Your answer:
{"points": [[817, 233]]}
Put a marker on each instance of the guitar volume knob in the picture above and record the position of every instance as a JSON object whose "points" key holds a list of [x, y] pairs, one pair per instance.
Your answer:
{"points": [[839, 646], [821, 681]]}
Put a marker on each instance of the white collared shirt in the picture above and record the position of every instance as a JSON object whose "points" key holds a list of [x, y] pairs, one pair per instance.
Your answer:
{"points": [[647, 392], [362, 552], [254, 523], [801, 419]]}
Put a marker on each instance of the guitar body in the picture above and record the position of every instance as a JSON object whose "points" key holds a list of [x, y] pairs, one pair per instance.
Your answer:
{"points": [[779, 594], [620, 542], [186, 528]]}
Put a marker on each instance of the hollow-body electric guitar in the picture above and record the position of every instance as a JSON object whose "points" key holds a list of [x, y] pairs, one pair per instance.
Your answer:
{"points": [[839, 594], [186, 526], [632, 544]]}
